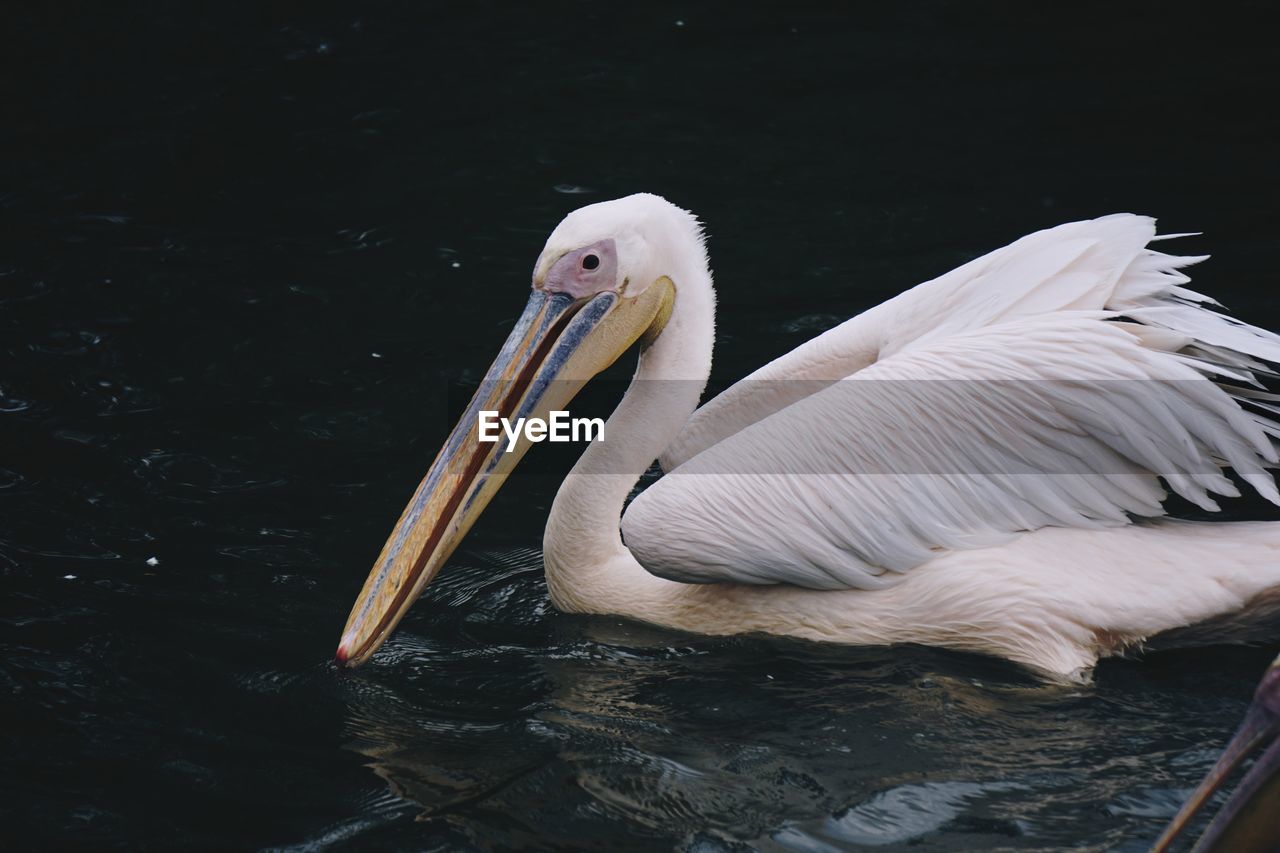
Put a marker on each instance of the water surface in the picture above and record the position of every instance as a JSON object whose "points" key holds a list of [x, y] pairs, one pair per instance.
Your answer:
{"points": [[248, 256]]}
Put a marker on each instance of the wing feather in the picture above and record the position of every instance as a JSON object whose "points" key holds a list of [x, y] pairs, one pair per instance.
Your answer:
{"points": [[1096, 264], [1056, 382]]}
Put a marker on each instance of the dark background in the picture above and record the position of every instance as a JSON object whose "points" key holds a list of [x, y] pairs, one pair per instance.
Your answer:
{"points": [[246, 252]]}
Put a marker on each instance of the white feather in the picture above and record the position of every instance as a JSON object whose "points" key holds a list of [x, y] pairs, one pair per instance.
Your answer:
{"points": [[1005, 397]]}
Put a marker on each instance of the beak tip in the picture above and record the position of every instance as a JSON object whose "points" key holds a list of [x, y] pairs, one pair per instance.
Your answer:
{"points": [[342, 657]]}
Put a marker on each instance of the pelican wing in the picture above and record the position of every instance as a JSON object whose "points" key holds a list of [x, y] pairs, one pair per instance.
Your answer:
{"points": [[1097, 264], [1016, 406]]}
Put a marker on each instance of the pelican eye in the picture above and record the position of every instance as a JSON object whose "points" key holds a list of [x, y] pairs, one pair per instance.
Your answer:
{"points": [[590, 262]]}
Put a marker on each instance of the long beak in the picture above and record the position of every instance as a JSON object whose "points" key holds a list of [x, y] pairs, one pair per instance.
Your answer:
{"points": [[1251, 818], [557, 345]]}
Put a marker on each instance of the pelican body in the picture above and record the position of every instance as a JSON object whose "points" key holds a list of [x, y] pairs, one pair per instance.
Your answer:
{"points": [[979, 463]]}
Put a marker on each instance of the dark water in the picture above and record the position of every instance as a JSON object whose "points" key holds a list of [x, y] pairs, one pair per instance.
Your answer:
{"points": [[246, 253]]}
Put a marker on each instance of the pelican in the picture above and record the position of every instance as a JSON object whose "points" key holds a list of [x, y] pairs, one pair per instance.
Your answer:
{"points": [[979, 463], [1250, 820]]}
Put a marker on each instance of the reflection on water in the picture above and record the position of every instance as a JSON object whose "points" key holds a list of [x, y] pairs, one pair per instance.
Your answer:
{"points": [[505, 723], [901, 814]]}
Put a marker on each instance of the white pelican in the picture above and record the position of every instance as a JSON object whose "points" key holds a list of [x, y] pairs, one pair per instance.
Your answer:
{"points": [[994, 512]]}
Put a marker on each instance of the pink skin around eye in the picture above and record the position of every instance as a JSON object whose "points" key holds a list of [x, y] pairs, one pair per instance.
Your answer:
{"points": [[570, 275]]}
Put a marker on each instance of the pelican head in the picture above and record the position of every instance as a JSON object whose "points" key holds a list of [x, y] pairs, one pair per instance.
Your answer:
{"points": [[602, 283]]}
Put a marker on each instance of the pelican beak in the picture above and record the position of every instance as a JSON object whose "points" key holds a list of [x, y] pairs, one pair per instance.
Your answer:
{"points": [[1251, 818], [557, 345]]}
